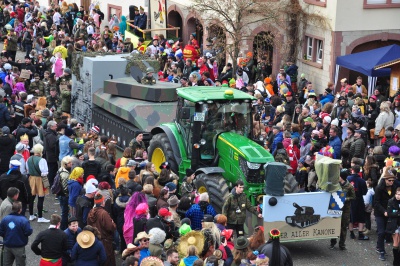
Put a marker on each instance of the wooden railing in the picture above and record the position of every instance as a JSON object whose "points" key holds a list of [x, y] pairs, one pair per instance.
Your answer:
{"points": [[170, 27]]}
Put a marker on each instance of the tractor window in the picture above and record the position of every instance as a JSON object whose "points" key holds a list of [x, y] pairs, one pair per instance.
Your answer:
{"points": [[223, 117], [186, 124]]}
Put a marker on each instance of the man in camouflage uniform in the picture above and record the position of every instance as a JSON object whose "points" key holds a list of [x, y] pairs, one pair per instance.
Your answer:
{"points": [[149, 79], [350, 195], [54, 103], [65, 79], [37, 87], [66, 99]]}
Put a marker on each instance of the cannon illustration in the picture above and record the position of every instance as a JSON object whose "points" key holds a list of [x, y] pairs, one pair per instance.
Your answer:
{"points": [[303, 216]]}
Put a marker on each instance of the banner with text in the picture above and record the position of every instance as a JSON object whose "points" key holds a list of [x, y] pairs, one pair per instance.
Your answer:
{"points": [[304, 216], [158, 17]]}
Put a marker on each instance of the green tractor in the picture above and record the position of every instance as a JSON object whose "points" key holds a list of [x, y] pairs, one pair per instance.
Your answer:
{"points": [[211, 134]]}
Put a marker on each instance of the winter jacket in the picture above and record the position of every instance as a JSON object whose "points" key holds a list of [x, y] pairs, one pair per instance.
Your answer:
{"points": [[91, 167], [71, 239], [357, 148], [4, 115], [92, 256], [393, 211], [122, 172], [267, 250], [99, 218], [196, 213], [64, 174], [329, 98], [15, 230], [360, 187], [336, 144], [74, 189], [168, 227], [188, 261], [12, 44], [234, 203], [15, 179], [278, 138], [118, 211], [382, 198], [51, 146], [83, 207], [384, 120], [7, 147], [385, 146]]}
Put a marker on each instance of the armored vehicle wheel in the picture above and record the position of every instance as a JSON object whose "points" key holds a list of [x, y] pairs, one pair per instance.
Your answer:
{"points": [[290, 184], [216, 187], [160, 151]]}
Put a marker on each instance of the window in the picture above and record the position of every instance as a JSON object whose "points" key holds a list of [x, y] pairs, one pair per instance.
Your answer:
{"points": [[316, 2], [309, 48], [381, 3], [320, 50], [314, 50]]}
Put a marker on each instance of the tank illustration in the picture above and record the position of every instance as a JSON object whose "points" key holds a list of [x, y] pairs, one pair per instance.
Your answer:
{"points": [[303, 216]]}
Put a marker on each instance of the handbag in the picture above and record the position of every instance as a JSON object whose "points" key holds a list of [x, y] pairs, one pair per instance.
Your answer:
{"points": [[381, 133], [46, 183]]}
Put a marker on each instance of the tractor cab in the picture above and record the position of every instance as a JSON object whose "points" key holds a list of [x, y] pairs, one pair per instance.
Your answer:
{"points": [[201, 122]]}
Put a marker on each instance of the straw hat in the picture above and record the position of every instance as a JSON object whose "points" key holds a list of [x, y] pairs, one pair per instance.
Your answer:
{"points": [[151, 261], [130, 249], [85, 239], [192, 238], [142, 235]]}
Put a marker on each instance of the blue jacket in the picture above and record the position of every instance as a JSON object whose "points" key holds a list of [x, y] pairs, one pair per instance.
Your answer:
{"points": [[74, 189], [4, 115], [65, 150], [15, 230], [71, 238], [327, 99], [278, 138], [336, 144], [93, 256], [144, 253], [195, 214]]}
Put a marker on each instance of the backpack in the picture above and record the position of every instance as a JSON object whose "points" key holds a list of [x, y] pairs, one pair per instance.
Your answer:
{"points": [[57, 184], [264, 93]]}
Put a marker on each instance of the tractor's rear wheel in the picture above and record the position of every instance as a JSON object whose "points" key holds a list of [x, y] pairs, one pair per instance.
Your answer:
{"points": [[160, 151], [216, 187]]}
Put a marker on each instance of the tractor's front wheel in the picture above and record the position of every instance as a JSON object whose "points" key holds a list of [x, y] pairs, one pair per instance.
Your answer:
{"points": [[160, 151], [216, 187]]}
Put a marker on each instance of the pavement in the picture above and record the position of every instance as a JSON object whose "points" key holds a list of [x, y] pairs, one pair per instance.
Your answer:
{"points": [[306, 253]]}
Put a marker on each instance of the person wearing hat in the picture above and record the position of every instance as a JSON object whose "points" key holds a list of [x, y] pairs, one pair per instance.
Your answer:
{"points": [[27, 65], [357, 148], [84, 204], [345, 85], [277, 253], [15, 230], [188, 186], [327, 96], [53, 103], [164, 221], [173, 202], [137, 143], [278, 137], [26, 132], [140, 21], [88, 250], [143, 239], [340, 107], [72, 232], [357, 205], [290, 104], [67, 144], [384, 191], [98, 217], [190, 246], [12, 44]]}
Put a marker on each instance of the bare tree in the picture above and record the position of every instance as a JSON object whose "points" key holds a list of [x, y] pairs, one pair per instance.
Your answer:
{"points": [[238, 17]]}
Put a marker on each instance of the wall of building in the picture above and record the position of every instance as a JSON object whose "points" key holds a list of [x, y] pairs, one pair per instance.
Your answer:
{"points": [[352, 16]]}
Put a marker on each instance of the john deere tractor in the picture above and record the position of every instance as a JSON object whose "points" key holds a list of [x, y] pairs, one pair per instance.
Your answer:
{"points": [[211, 134]]}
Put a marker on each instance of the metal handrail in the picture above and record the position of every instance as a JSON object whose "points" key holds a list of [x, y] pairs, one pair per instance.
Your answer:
{"points": [[176, 29]]}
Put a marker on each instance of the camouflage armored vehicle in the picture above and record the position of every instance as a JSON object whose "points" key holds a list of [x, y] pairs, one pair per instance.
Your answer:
{"points": [[303, 216], [125, 106]]}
